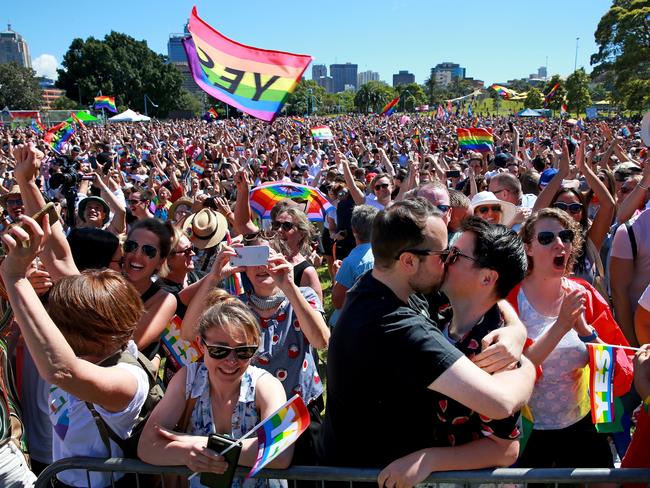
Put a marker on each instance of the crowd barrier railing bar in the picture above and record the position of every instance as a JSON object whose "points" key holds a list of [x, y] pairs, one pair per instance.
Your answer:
{"points": [[324, 473]]}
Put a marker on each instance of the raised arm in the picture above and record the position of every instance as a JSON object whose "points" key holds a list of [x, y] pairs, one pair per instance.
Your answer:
{"points": [[546, 195], [243, 222], [118, 222], [357, 195]]}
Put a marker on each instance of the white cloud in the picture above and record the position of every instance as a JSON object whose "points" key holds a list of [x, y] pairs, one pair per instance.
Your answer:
{"points": [[46, 65]]}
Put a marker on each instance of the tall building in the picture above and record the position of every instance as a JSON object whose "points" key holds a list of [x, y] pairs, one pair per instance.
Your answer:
{"points": [[403, 78], [366, 76], [342, 75], [541, 72], [444, 73], [176, 56], [325, 82], [13, 49], [318, 70]]}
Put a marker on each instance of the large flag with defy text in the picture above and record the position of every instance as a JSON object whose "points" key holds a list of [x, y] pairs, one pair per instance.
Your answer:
{"points": [[255, 81]]}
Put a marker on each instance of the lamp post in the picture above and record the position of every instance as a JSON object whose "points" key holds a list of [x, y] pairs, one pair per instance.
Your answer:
{"points": [[79, 92], [404, 92], [146, 97], [575, 63], [308, 98]]}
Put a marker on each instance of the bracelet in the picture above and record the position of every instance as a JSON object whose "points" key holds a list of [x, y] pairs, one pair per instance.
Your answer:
{"points": [[590, 338], [642, 187]]}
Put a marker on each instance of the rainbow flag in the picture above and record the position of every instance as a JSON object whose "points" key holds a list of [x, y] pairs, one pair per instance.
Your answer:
{"points": [[298, 121], [389, 107], [475, 139], [105, 102], [503, 92], [601, 378], [279, 431], [76, 120], [255, 81], [198, 162], [551, 94], [58, 135], [213, 113], [38, 128], [322, 133]]}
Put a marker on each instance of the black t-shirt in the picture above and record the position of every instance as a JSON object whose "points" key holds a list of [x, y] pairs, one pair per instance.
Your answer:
{"points": [[383, 355]]}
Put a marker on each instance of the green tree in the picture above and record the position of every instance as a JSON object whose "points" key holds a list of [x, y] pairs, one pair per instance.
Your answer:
{"points": [[306, 98], [623, 38], [560, 94], [577, 91], [64, 103], [122, 67], [534, 98], [188, 101], [411, 95], [19, 88], [373, 96], [599, 92]]}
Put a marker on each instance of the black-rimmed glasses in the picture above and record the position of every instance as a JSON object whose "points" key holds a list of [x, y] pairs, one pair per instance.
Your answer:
{"points": [[217, 351]]}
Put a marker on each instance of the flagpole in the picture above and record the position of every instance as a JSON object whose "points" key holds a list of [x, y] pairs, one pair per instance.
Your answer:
{"points": [[618, 347]]}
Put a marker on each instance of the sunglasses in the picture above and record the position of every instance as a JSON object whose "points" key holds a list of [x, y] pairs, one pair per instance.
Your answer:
{"points": [[147, 249], [222, 352], [187, 252], [443, 208], [285, 226], [381, 186], [573, 208], [134, 202], [547, 237], [15, 203], [452, 255], [486, 208]]}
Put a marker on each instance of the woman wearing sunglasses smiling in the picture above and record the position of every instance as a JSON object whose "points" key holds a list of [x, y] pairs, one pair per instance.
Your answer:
{"points": [[145, 252], [561, 315], [222, 394]]}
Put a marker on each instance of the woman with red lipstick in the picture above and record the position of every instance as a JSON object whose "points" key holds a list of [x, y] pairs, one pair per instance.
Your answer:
{"points": [[560, 314]]}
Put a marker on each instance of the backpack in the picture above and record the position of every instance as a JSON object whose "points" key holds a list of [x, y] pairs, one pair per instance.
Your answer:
{"points": [[130, 445]]}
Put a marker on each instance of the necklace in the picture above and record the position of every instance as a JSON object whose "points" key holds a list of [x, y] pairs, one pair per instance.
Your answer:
{"points": [[267, 303]]}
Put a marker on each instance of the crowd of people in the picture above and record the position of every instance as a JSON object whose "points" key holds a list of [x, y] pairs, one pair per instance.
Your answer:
{"points": [[434, 315]]}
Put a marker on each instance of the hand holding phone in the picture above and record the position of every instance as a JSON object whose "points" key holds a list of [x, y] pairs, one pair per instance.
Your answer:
{"points": [[251, 256], [231, 450]]}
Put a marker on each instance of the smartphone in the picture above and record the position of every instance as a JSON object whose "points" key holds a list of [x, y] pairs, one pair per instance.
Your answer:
{"points": [[219, 444], [251, 256], [453, 174]]}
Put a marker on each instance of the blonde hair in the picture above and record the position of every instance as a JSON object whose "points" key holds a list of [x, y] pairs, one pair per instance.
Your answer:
{"points": [[230, 314]]}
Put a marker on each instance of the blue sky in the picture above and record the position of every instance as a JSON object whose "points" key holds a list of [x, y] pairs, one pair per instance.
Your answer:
{"points": [[494, 41]]}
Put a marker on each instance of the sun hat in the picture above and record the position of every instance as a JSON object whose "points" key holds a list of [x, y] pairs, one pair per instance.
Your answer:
{"points": [[206, 228], [13, 191], [488, 198], [181, 202], [83, 203]]}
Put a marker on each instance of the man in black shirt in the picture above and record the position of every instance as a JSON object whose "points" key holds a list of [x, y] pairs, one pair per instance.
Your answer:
{"points": [[386, 355]]}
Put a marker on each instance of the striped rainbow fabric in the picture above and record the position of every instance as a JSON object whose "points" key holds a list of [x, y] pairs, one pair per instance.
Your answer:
{"points": [[322, 133], [475, 139], [255, 81], [105, 102], [601, 377]]}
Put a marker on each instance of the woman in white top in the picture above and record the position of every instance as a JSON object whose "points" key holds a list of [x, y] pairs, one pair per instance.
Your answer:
{"points": [[91, 318], [552, 307]]}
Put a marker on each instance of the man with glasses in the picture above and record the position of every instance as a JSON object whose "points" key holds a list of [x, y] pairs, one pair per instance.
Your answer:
{"points": [[139, 202], [483, 266], [507, 187], [386, 355], [13, 204]]}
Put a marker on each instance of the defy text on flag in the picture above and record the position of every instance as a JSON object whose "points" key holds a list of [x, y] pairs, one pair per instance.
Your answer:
{"points": [[256, 81]]}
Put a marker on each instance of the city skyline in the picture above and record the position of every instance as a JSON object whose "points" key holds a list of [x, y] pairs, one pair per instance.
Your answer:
{"points": [[384, 36]]}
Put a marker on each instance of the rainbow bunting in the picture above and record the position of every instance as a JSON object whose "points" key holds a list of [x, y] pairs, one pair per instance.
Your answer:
{"points": [[322, 133], [278, 431], [255, 81], [105, 102], [58, 135], [475, 139], [601, 377], [389, 107]]}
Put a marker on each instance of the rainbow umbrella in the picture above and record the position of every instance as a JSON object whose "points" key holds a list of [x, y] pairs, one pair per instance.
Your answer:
{"points": [[263, 199]]}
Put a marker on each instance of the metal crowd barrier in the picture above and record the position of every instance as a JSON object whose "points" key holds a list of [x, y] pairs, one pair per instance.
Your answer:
{"points": [[519, 476]]}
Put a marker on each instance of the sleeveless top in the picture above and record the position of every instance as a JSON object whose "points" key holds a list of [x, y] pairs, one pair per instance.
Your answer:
{"points": [[244, 416], [299, 269], [152, 349]]}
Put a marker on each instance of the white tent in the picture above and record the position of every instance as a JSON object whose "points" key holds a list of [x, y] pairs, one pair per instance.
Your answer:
{"points": [[129, 116]]}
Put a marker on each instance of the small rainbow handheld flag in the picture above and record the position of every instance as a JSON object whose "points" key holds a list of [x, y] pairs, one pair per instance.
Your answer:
{"points": [[76, 120], [388, 108], [475, 139], [58, 135], [279, 431], [198, 162], [601, 377], [105, 102], [551, 94], [322, 133], [255, 81], [38, 128], [298, 121], [213, 113]]}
